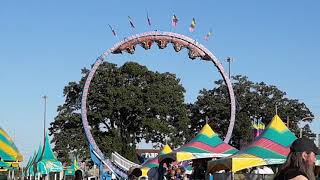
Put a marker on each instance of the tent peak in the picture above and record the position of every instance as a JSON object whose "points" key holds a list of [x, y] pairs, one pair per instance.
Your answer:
{"points": [[166, 149], [278, 124], [207, 130]]}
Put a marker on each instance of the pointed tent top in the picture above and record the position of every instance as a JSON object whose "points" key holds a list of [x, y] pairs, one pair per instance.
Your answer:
{"points": [[47, 153], [207, 131], [207, 141], [165, 150], [154, 162], [39, 153], [26, 169], [33, 157], [277, 132], [206, 144], [277, 124], [31, 162], [30, 168], [48, 162], [271, 147]]}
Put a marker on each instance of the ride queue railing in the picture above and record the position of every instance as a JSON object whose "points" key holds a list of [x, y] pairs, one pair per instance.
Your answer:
{"points": [[122, 162]]}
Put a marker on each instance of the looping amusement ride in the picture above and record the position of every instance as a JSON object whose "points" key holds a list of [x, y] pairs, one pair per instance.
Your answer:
{"points": [[118, 164]]}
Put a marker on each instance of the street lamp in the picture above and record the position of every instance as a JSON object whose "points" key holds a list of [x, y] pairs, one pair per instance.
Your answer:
{"points": [[44, 115], [305, 118], [230, 60]]}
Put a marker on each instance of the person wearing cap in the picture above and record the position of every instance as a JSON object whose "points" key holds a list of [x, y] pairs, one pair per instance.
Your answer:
{"points": [[300, 162]]}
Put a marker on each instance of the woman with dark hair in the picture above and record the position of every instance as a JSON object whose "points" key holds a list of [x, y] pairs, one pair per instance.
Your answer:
{"points": [[300, 161]]}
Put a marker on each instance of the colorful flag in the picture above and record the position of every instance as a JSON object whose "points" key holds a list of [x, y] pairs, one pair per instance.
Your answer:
{"points": [[149, 20], [131, 22], [112, 30], [207, 36], [174, 21], [193, 25], [258, 127]]}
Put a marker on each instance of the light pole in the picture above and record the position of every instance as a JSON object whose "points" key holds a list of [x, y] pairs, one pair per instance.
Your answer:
{"points": [[305, 118], [230, 60], [44, 115]]}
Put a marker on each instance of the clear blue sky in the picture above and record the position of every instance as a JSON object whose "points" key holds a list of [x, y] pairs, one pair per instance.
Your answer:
{"points": [[44, 45]]}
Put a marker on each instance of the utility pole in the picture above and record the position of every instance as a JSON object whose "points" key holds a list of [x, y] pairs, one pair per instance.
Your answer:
{"points": [[288, 121], [44, 115], [230, 60], [301, 128]]}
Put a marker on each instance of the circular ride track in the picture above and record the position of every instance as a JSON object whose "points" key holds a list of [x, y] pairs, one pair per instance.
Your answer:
{"points": [[196, 50]]}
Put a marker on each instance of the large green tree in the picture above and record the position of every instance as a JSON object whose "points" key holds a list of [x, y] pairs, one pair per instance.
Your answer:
{"points": [[253, 100], [125, 105], [129, 103]]}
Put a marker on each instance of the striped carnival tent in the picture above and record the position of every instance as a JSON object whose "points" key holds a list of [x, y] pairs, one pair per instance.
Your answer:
{"points": [[207, 144], [4, 165], [271, 147], [8, 150], [154, 162]]}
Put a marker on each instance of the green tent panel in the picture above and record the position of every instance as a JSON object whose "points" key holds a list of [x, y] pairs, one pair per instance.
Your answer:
{"points": [[72, 169], [47, 166], [48, 162], [206, 144], [29, 168], [4, 165], [271, 147]]}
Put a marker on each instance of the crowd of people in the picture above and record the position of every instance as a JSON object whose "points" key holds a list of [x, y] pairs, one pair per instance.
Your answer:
{"points": [[300, 165], [177, 173]]}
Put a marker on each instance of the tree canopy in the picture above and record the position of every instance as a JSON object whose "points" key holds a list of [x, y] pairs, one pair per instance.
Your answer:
{"points": [[130, 103], [253, 101], [125, 105]]}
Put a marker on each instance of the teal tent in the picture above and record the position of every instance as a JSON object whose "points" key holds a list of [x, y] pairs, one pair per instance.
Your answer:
{"points": [[25, 172], [4, 165], [33, 167], [48, 162], [72, 169]]}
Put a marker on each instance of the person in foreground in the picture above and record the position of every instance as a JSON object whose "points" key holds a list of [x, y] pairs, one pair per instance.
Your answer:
{"points": [[78, 175], [300, 161]]}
